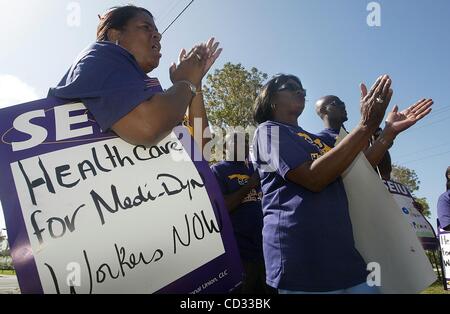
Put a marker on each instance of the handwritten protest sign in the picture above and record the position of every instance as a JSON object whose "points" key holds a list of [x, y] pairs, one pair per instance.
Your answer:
{"points": [[417, 221], [89, 213], [444, 238]]}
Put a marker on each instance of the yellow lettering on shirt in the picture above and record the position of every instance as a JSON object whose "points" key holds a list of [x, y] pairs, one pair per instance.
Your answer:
{"points": [[322, 147], [252, 196], [242, 178]]}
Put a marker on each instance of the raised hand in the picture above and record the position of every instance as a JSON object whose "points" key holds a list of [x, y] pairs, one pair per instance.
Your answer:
{"points": [[213, 54], [207, 52], [401, 121], [191, 66], [375, 102]]}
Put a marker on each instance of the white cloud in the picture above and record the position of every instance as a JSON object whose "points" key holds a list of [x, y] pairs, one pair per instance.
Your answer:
{"points": [[13, 91]]}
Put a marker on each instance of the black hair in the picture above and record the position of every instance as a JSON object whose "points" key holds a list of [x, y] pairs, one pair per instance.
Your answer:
{"points": [[117, 18], [262, 109], [447, 176], [385, 165]]}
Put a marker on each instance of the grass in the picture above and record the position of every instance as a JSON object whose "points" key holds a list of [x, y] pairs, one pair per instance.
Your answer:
{"points": [[436, 288], [7, 272]]}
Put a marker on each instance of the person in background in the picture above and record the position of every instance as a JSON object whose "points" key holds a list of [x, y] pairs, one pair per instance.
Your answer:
{"points": [[443, 205], [241, 189], [333, 113], [110, 78], [385, 167]]}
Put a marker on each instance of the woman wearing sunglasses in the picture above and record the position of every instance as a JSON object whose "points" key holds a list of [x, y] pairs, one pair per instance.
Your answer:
{"points": [[307, 236]]}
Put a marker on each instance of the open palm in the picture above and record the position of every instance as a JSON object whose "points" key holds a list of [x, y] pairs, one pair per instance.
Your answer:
{"points": [[400, 121], [206, 50], [213, 53]]}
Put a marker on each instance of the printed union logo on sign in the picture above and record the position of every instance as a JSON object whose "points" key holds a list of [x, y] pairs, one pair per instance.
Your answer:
{"points": [[98, 215]]}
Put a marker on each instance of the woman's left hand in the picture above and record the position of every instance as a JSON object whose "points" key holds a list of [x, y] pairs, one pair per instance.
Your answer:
{"points": [[211, 55], [398, 122]]}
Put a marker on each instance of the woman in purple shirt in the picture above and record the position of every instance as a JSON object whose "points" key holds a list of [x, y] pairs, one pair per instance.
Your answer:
{"points": [[307, 235], [110, 78]]}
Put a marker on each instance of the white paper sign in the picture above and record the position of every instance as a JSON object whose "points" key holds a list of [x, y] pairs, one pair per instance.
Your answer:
{"points": [[445, 249], [109, 223], [381, 234]]}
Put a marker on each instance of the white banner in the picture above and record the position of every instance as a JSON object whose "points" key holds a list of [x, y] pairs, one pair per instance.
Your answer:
{"points": [[381, 234]]}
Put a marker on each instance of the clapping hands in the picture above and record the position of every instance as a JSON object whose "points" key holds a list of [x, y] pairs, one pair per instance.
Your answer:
{"points": [[194, 65]]}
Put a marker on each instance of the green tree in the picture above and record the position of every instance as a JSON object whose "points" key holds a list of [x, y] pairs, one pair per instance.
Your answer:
{"points": [[230, 93], [409, 178], [405, 176], [425, 207]]}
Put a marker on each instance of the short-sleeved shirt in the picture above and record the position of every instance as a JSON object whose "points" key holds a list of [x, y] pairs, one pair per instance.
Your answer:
{"points": [[443, 209], [307, 236], [247, 218], [109, 81], [329, 136]]}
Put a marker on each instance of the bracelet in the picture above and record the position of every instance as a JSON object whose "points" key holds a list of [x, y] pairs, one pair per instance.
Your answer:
{"points": [[383, 141]]}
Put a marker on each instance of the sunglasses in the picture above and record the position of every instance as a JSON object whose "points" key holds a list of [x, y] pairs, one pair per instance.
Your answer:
{"points": [[289, 86], [337, 103]]}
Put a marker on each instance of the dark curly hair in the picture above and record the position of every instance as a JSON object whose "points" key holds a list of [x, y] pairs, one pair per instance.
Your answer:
{"points": [[117, 18], [447, 176]]}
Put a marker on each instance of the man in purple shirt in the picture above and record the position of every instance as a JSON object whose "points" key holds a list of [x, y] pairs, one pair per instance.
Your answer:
{"points": [[331, 109], [443, 205], [333, 114]]}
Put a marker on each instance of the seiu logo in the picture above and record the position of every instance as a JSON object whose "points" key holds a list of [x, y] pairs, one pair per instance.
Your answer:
{"points": [[70, 121]]}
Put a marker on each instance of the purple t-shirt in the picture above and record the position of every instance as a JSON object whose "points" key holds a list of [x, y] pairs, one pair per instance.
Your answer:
{"points": [[307, 237], [108, 80], [329, 136], [443, 209], [247, 218]]}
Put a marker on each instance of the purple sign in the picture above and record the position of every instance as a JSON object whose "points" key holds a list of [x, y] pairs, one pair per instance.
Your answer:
{"points": [[87, 212]]}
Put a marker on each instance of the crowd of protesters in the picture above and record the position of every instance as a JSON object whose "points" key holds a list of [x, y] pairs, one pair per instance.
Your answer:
{"points": [[287, 203]]}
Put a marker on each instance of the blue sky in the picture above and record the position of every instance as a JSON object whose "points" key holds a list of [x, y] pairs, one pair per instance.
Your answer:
{"points": [[327, 43]]}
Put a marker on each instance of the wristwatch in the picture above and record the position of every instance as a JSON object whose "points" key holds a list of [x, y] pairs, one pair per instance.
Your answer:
{"points": [[191, 87]]}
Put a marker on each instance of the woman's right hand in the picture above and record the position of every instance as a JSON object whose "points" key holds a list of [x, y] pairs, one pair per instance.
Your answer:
{"points": [[375, 102], [190, 66]]}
